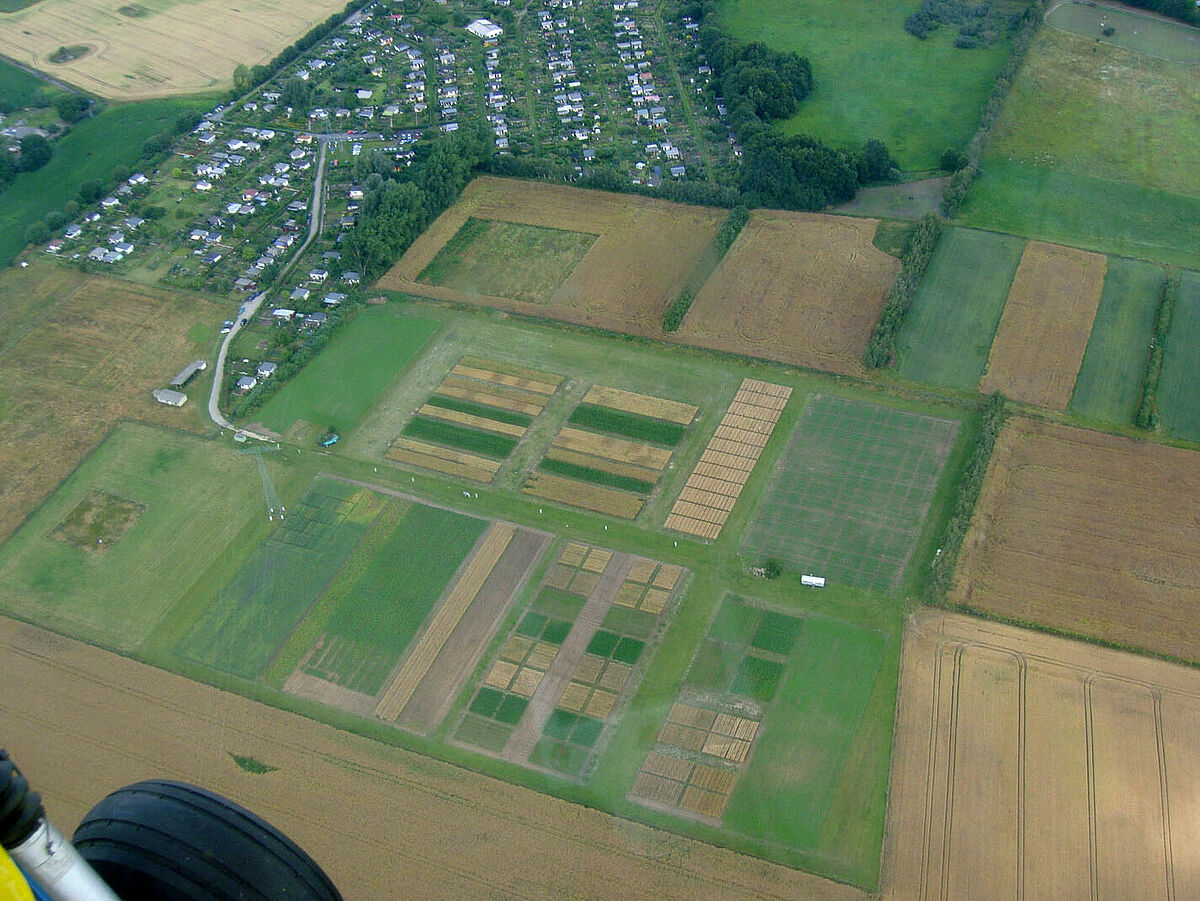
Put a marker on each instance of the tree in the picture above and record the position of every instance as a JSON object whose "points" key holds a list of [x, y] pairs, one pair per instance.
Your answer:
{"points": [[37, 233], [72, 107], [295, 94], [243, 79], [875, 163], [35, 153]]}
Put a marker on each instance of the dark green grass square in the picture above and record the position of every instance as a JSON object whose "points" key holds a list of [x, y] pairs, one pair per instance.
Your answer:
{"points": [[777, 633], [630, 425], [637, 623], [596, 476], [532, 624], [628, 650], [511, 709], [556, 755], [461, 437], [587, 731], [735, 622], [556, 631], [483, 733], [558, 604], [714, 666], [560, 724], [758, 678], [602, 643], [487, 701]]}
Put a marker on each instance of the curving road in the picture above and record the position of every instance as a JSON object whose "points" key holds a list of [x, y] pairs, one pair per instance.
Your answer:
{"points": [[250, 307]]}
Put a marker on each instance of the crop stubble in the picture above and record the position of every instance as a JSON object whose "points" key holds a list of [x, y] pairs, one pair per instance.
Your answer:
{"points": [[1088, 533], [1047, 320], [1030, 765]]}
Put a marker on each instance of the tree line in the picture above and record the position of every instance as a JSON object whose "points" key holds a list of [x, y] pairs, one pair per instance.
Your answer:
{"points": [[1147, 411], [914, 260]]}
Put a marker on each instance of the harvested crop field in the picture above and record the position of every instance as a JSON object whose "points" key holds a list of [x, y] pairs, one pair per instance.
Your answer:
{"points": [[1088, 533], [801, 288], [1027, 765], [174, 48], [85, 352], [643, 252], [1047, 320], [479, 835]]}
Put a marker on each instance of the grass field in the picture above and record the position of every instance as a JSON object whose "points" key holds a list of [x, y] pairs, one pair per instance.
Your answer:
{"points": [[1054, 171], [1179, 389], [349, 375], [1087, 533], [948, 332], [849, 497], [117, 596], [91, 150], [1133, 30], [16, 85], [644, 251], [873, 79], [174, 48], [508, 259], [1109, 384]]}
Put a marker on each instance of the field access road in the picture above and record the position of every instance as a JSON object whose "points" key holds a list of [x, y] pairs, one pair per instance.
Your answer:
{"points": [[250, 308]]}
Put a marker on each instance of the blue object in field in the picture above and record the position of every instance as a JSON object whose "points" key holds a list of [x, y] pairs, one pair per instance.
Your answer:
{"points": [[332, 439]]}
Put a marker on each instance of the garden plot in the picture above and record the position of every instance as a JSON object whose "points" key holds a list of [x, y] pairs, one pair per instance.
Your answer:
{"points": [[612, 451], [851, 492], [474, 419], [571, 659], [727, 462]]}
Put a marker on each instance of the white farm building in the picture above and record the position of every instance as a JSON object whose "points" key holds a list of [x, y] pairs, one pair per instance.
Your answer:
{"points": [[485, 29]]}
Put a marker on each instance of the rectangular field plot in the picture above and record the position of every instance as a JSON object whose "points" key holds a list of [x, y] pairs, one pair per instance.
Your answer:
{"points": [[474, 419], [760, 732], [946, 335], [727, 462], [1090, 534], [1179, 388], [1044, 329], [574, 655], [611, 453], [1109, 384], [850, 494], [522, 262], [1027, 764]]}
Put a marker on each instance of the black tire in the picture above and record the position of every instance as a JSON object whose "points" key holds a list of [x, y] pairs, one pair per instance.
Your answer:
{"points": [[169, 840]]}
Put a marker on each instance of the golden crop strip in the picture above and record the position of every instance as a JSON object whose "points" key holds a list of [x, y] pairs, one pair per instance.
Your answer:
{"points": [[716, 483], [509, 381], [398, 694], [476, 422], [448, 454], [579, 494], [613, 448], [641, 404], [531, 407], [604, 464]]}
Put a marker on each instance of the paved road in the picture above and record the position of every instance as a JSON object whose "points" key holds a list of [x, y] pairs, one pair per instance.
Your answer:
{"points": [[250, 308]]}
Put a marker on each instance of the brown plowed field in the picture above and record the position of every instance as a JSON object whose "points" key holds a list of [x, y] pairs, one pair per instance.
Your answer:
{"points": [[86, 352], [1046, 324], [402, 825], [1088, 533], [643, 254], [797, 287], [1027, 765], [168, 48]]}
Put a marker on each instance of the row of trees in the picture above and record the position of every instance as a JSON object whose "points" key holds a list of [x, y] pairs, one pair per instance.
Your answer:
{"points": [[1183, 10], [1147, 411], [799, 172], [914, 260]]}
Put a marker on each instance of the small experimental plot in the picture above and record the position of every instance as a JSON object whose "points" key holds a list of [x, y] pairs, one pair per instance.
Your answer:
{"points": [[643, 252], [169, 48], [725, 466], [573, 656], [345, 380], [1178, 387], [1027, 764], [1089, 534], [474, 419], [947, 333], [611, 452], [126, 535], [761, 729], [851, 492], [1109, 385], [1044, 330], [801, 288], [526, 263]]}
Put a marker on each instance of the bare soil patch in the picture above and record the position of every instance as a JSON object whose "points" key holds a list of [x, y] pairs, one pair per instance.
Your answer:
{"points": [[643, 253], [1047, 320], [1090, 534], [98, 522], [801, 288], [478, 836], [1030, 765]]}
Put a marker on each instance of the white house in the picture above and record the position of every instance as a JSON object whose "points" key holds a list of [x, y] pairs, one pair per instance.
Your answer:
{"points": [[485, 29]]}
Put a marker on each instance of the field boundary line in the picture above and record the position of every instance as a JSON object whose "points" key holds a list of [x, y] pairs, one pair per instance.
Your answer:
{"points": [[1090, 756], [1022, 683], [951, 761], [1164, 793]]}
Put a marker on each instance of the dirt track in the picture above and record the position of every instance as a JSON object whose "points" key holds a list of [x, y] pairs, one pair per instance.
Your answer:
{"points": [[385, 823]]}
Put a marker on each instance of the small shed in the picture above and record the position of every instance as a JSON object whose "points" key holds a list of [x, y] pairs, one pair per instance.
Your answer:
{"points": [[188, 373], [169, 397]]}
